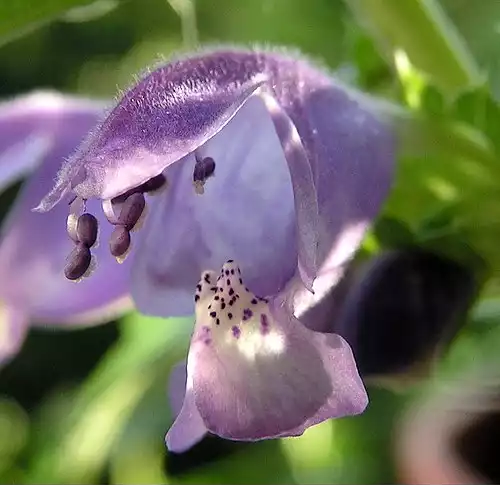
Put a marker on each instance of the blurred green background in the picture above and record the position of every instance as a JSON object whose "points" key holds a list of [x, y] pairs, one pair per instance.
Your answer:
{"points": [[90, 406]]}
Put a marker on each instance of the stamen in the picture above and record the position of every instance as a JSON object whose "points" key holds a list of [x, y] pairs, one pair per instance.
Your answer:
{"points": [[76, 208], [203, 170], [154, 184], [86, 229], [78, 262], [119, 241], [82, 228], [132, 209]]}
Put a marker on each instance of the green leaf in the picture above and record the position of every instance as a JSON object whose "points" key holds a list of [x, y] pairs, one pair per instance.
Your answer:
{"points": [[18, 16], [75, 448], [421, 30]]}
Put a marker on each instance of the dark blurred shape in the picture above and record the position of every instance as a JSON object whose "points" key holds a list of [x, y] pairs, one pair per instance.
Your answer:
{"points": [[405, 307], [479, 445], [51, 358], [209, 450], [452, 435], [7, 197]]}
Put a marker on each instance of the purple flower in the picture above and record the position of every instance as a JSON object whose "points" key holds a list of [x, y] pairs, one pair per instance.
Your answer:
{"points": [[275, 171], [36, 132]]}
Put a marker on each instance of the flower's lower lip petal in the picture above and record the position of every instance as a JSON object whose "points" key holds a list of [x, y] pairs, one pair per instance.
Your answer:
{"points": [[13, 328], [245, 213], [34, 246], [188, 428], [177, 387], [292, 379]]}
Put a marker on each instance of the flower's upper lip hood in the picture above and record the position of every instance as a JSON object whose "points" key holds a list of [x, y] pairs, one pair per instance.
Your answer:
{"points": [[192, 125]]}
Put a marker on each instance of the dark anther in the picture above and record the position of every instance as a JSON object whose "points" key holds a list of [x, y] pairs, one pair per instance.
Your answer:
{"points": [[86, 229], [78, 262], [203, 169], [119, 241], [132, 210], [154, 183]]}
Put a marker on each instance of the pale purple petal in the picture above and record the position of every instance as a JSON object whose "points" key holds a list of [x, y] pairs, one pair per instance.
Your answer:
{"points": [[255, 372], [188, 428], [177, 386], [25, 137], [34, 247], [246, 213], [353, 153], [13, 328]]}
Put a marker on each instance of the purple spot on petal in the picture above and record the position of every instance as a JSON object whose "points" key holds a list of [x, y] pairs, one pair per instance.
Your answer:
{"points": [[236, 331], [264, 324]]}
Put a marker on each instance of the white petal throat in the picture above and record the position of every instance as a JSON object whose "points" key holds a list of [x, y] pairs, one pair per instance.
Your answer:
{"points": [[229, 315]]}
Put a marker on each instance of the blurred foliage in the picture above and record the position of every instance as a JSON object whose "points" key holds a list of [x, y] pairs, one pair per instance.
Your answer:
{"points": [[90, 406]]}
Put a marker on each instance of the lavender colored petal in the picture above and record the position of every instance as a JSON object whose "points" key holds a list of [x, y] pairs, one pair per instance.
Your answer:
{"points": [[24, 137], [246, 213], [34, 247], [13, 328], [259, 385], [188, 428], [354, 154], [177, 386]]}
